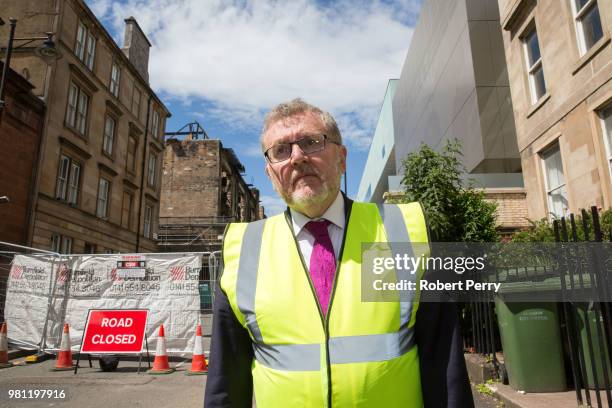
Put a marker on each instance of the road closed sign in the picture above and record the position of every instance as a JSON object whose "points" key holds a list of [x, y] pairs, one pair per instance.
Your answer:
{"points": [[114, 331]]}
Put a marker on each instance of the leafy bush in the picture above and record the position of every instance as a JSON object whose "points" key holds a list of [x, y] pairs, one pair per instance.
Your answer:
{"points": [[542, 230], [454, 212]]}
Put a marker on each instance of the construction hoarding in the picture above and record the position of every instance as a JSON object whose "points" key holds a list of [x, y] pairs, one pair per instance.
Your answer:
{"points": [[44, 291]]}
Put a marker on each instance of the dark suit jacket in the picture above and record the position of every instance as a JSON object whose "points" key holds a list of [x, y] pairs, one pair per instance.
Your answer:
{"points": [[443, 374]]}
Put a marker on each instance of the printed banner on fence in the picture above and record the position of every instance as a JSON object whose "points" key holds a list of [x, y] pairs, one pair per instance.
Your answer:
{"points": [[44, 292]]}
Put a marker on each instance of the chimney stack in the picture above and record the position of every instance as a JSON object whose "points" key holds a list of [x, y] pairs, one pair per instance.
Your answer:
{"points": [[136, 47]]}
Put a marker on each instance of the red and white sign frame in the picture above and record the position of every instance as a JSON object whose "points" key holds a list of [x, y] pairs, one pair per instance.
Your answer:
{"points": [[138, 331]]}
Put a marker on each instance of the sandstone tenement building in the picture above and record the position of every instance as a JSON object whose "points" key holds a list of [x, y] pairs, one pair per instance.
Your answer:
{"points": [[559, 57], [99, 175]]}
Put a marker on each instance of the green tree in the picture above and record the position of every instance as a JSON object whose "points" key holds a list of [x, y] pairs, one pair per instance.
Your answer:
{"points": [[454, 212]]}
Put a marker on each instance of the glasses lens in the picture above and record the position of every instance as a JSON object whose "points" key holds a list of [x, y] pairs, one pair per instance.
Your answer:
{"points": [[311, 144], [279, 152]]}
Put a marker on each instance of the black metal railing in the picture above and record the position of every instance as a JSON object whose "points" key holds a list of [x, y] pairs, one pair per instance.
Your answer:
{"points": [[586, 327]]}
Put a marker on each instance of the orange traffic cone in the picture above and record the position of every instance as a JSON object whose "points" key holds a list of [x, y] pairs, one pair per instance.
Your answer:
{"points": [[198, 361], [4, 347], [160, 364], [64, 357]]}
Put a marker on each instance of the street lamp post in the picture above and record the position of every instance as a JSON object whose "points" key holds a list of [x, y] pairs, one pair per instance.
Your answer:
{"points": [[46, 51]]}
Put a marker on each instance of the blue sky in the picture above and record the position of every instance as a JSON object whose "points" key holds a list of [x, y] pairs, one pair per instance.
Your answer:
{"points": [[225, 63]]}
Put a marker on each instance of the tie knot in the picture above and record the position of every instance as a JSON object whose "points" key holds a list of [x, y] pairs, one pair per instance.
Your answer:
{"points": [[318, 228]]}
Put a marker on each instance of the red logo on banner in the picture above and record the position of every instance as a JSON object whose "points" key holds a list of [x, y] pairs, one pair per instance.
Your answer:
{"points": [[114, 331], [62, 273], [16, 271], [177, 273]]}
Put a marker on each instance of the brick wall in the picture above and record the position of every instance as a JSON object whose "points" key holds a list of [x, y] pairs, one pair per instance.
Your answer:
{"points": [[20, 132], [511, 207], [191, 179]]}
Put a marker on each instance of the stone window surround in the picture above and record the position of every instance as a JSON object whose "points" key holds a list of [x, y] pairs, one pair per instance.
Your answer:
{"points": [[152, 173], [111, 154], [526, 30], [71, 162], [130, 209], [114, 86], [61, 243], [577, 16], [82, 54], [607, 144], [109, 195], [555, 142], [74, 126], [147, 222]]}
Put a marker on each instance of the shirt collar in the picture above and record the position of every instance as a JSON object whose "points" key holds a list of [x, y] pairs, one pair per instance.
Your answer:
{"points": [[335, 214]]}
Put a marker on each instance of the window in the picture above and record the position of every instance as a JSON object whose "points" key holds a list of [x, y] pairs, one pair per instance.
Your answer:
{"points": [[155, 125], [73, 186], [103, 190], [130, 164], [588, 23], [136, 96], [76, 112], [151, 169], [79, 46], [537, 85], [109, 135], [89, 248], [68, 177], [114, 80], [61, 244], [607, 131], [126, 210], [555, 182], [91, 51], [85, 46], [146, 226]]}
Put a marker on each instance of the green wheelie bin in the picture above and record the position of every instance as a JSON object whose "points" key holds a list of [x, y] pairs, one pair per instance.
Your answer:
{"points": [[531, 341]]}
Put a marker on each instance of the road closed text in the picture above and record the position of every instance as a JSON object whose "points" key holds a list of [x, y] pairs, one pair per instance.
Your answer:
{"points": [[113, 339]]}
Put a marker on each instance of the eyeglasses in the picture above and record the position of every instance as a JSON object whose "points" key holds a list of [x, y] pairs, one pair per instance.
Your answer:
{"points": [[309, 144]]}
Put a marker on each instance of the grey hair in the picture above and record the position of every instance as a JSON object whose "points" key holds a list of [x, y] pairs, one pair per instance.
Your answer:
{"points": [[294, 107]]}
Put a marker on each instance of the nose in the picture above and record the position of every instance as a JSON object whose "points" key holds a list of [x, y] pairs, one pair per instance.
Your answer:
{"points": [[297, 155]]}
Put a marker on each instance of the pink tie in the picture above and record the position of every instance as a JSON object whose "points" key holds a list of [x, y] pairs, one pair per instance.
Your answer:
{"points": [[322, 262]]}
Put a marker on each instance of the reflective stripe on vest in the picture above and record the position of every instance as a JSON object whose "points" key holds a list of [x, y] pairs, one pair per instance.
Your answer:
{"points": [[342, 349], [397, 234], [247, 276]]}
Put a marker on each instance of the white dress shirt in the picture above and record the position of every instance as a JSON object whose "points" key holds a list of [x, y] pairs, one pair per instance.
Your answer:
{"points": [[305, 240]]}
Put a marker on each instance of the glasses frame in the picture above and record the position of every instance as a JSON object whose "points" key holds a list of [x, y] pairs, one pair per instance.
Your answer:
{"points": [[325, 140]]}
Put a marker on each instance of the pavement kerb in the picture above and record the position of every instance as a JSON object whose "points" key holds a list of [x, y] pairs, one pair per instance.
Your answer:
{"points": [[508, 403]]}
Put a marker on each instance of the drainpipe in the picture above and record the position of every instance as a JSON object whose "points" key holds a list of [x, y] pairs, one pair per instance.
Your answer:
{"points": [[142, 174]]}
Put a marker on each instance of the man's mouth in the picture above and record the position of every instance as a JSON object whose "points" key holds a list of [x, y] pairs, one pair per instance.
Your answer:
{"points": [[302, 176]]}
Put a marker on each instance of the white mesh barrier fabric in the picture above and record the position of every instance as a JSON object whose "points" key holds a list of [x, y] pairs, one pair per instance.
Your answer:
{"points": [[43, 292]]}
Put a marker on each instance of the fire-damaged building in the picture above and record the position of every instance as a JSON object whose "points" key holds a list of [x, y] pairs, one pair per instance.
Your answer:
{"points": [[202, 191]]}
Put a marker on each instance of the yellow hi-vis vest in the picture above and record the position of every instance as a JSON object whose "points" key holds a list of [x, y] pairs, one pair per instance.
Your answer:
{"points": [[362, 354]]}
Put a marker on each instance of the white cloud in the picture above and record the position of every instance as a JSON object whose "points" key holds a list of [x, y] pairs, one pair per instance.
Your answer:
{"points": [[272, 205], [251, 150], [244, 56]]}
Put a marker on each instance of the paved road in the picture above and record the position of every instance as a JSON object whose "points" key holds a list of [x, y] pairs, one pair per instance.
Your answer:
{"points": [[93, 388]]}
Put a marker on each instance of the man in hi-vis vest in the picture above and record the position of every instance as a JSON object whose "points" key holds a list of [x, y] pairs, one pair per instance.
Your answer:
{"points": [[289, 324]]}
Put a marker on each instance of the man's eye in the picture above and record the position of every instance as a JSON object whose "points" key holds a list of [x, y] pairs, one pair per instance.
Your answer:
{"points": [[310, 142], [281, 149]]}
